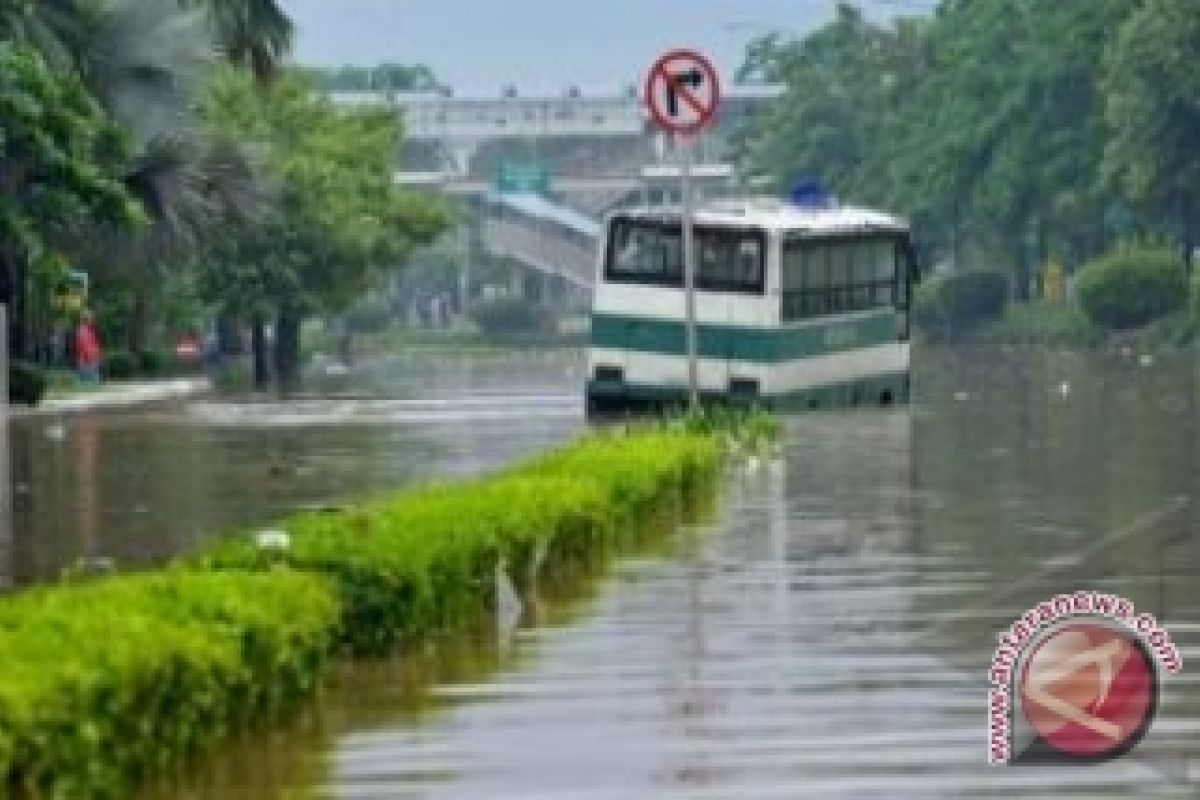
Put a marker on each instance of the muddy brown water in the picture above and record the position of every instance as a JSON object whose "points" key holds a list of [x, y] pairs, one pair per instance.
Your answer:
{"points": [[825, 634], [134, 486]]}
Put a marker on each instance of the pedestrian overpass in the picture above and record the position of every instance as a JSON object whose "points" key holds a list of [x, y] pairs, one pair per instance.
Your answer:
{"points": [[552, 239]]}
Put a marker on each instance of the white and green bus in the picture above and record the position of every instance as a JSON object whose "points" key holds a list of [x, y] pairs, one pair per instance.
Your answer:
{"points": [[802, 306]]}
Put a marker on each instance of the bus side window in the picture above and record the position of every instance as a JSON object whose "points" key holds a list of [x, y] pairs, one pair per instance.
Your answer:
{"points": [[862, 276], [816, 280], [791, 281], [885, 273], [841, 273]]}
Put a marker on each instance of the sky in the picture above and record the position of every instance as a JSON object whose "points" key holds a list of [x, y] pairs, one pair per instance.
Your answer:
{"points": [[544, 46]]}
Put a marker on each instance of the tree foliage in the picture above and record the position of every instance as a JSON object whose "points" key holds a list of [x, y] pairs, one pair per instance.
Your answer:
{"points": [[128, 150], [1152, 89], [336, 219], [60, 159], [1008, 130], [252, 34]]}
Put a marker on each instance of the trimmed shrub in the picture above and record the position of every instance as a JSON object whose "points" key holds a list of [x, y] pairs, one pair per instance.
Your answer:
{"points": [[26, 384], [947, 306], [406, 565], [103, 682], [511, 315], [119, 365], [1131, 288]]}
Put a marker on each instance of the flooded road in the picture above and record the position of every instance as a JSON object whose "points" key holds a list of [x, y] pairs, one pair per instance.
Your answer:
{"points": [[826, 634], [138, 485]]}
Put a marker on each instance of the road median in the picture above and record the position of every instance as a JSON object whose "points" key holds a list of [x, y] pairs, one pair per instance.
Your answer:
{"points": [[106, 682]]}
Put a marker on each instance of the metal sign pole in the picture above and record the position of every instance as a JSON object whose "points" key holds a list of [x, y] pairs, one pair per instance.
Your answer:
{"points": [[683, 92], [689, 272]]}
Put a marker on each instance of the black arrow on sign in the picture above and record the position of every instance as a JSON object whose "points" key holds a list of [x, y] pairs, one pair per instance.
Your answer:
{"points": [[691, 79]]}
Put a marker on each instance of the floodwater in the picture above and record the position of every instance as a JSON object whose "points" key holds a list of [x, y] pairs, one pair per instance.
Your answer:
{"points": [[135, 486], [826, 633]]}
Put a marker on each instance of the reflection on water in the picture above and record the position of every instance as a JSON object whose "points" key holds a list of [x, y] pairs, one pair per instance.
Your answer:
{"points": [[139, 485], [828, 635]]}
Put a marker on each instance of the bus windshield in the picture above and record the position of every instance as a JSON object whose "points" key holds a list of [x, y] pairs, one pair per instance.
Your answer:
{"points": [[727, 259]]}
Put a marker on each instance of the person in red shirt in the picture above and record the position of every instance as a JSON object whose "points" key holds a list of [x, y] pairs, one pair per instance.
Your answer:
{"points": [[87, 349]]}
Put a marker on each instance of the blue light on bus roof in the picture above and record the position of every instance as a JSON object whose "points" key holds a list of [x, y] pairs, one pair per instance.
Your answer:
{"points": [[811, 194]]}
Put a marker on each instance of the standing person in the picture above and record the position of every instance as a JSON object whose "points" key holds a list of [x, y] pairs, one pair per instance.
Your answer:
{"points": [[87, 349]]}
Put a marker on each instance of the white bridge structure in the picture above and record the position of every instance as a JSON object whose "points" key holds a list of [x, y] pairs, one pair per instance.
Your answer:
{"points": [[462, 124], [552, 239], [554, 231]]}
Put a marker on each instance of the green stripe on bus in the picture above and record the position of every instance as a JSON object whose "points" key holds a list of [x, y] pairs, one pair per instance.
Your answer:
{"points": [[756, 345]]}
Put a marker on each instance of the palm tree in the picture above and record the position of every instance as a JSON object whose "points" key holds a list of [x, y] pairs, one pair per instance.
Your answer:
{"points": [[255, 34], [187, 188], [148, 59]]}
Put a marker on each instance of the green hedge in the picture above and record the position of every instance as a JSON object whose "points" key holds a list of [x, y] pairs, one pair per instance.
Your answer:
{"points": [[102, 683], [405, 565], [1132, 288], [947, 306]]}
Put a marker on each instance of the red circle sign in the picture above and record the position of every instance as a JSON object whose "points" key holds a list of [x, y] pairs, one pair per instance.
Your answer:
{"points": [[683, 92]]}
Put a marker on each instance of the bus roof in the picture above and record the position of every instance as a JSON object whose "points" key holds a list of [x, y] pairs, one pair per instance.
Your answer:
{"points": [[777, 215]]}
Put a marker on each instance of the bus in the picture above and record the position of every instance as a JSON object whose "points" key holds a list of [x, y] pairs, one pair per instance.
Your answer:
{"points": [[798, 306]]}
